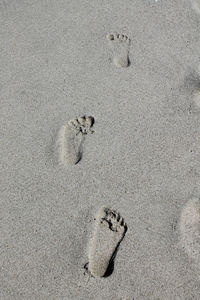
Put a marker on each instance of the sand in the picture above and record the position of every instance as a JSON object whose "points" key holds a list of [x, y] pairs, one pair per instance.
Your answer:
{"points": [[143, 160]]}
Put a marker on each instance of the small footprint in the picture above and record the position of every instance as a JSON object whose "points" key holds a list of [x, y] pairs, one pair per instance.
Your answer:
{"points": [[190, 228], [71, 137], [196, 98], [120, 44], [108, 233], [196, 5]]}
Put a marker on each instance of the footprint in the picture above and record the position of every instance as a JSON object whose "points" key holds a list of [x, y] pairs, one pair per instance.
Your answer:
{"points": [[196, 98], [190, 228], [120, 44], [109, 232], [196, 5], [71, 137]]}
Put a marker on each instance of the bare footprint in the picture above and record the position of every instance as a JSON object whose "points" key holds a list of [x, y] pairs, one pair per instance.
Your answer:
{"points": [[190, 228], [196, 98], [120, 44], [196, 5], [71, 137], [109, 232]]}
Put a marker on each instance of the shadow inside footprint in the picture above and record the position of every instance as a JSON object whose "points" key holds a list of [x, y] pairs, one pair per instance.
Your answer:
{"points": [[110, 268]]}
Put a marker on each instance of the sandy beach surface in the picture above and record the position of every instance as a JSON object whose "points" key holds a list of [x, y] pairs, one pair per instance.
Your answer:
{"points": [[134, 66]]}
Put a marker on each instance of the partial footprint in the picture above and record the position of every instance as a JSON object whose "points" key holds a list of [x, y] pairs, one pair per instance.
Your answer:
{"points": [[71, 137], [196, 5], [120, 44], [109, 231], [196, 98], [190, 228]]}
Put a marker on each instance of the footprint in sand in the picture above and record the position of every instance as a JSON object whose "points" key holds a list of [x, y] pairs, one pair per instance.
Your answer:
{"points": [[190, 228], [196, 98], [120, 44], [71, 137], [109, 232], [196, 5]]}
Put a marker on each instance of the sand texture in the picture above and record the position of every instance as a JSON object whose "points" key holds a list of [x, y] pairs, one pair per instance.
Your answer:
{"points": [[134, 67]]}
